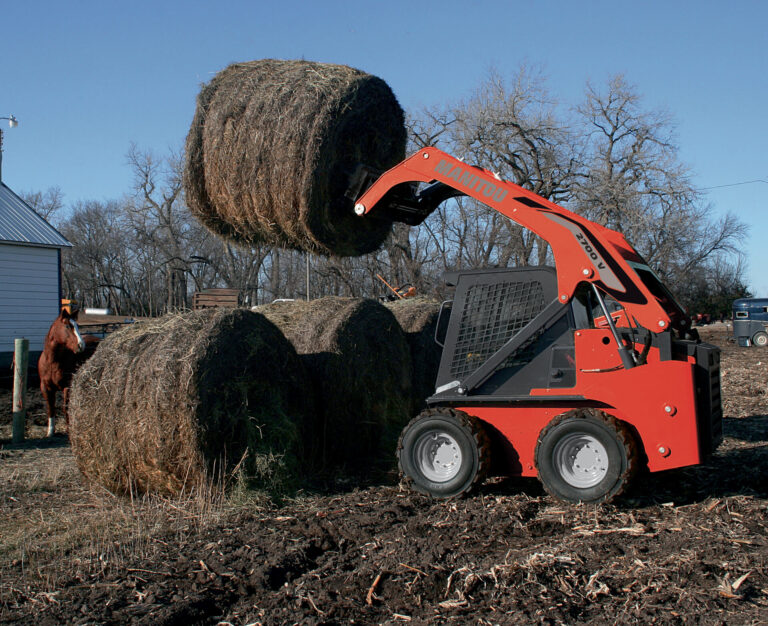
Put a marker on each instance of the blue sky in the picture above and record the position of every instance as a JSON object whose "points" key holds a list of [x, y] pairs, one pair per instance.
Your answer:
{"points": [[85, 78]]}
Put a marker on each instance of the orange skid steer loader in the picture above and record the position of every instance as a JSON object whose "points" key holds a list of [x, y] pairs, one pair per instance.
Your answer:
{"points": [[580, 376]]}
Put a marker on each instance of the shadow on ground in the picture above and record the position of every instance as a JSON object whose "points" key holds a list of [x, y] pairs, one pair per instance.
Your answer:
{"points": [[59, 440]]}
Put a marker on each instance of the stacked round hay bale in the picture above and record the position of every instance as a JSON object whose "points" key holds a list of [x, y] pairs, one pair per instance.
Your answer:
{"points": [[273, 145], [418, 319], [359, 363], [174, 404]]}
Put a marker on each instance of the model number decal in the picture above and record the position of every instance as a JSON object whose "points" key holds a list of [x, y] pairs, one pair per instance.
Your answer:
{"points": [[590, 251], [606, 274]]}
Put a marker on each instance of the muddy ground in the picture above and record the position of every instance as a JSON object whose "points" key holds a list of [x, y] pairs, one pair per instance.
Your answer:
{"points": [[686, 546]]}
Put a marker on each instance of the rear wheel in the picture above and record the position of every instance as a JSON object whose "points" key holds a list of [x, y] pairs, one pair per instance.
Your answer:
{"points": [[444, 453], [586, 455], [760, 339]]}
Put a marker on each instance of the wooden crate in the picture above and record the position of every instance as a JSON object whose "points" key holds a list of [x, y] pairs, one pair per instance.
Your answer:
{"points": [[208, 298]]}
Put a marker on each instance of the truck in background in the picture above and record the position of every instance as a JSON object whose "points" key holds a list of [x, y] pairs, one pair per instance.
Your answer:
{"points": [[750, 321]]}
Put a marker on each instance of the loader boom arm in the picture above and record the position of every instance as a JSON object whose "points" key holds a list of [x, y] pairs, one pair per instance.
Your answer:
{"points": [[583, 250]]}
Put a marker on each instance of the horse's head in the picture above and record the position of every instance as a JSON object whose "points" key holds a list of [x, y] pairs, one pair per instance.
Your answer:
{"points": [[65, 331]]}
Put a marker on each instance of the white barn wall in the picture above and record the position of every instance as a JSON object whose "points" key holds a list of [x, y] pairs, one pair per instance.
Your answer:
{"points": [[29, 296]]}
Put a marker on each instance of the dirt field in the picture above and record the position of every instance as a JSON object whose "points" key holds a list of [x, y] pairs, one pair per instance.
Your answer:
{"points": [[687, 546]]}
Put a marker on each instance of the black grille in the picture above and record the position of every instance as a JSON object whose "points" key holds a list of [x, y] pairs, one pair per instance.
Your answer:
{"points": [[716, 419], [710, 410], [492, 315]]}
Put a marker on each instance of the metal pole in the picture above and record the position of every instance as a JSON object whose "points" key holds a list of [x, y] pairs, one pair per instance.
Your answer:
{"points": [[20, 361], [12, 122], [627, 359]]}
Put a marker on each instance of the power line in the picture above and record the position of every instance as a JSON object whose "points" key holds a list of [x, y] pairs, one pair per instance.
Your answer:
{"points": [[746, 182]]}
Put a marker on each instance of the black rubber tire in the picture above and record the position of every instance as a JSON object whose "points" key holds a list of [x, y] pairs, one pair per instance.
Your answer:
{"points": [[760, 339], [470, 439], [617, 441]]}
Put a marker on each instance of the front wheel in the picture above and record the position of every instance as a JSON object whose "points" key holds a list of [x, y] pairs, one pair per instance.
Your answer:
{"points": [[586, 455], [760, 339], [444, 453]]}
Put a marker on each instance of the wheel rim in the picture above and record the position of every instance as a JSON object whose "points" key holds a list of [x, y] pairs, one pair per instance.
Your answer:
{"points": [[438, 456], [581, 460], [760, 340]]}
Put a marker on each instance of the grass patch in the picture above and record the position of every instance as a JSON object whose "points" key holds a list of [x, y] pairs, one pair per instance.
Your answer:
{"points": [[58, 528]]}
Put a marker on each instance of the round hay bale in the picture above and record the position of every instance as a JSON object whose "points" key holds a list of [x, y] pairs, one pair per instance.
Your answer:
{"points": [[418, 319], [173, 404], [272, 147], [359, 363]]}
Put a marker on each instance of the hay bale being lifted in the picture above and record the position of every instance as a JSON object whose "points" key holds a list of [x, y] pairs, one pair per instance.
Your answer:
{"points": [[359, 363], [171, 404], [273, 144], [418, 319]]}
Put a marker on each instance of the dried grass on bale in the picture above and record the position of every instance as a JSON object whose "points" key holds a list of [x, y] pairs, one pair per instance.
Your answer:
{"points": [[172, 404], [358, 359], [418, 319], [273, 144]]}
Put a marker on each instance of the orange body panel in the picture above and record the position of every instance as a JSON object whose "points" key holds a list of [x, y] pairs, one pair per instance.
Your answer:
{"points": [[657, 399], [519, 430]]}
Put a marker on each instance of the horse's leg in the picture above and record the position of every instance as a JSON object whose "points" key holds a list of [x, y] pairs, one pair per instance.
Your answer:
{"points": [[49, 393], [65, 401]]}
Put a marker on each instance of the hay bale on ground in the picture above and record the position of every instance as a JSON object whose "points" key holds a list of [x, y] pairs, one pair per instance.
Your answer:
{"points": [[273, 144], [169, 405], [418, 319], [359, 363]]}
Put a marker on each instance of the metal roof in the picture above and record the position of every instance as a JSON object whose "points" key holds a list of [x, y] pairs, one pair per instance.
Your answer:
{"points": [[19, 224]]}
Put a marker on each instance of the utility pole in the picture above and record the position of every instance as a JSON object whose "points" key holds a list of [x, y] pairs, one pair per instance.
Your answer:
{"points": [[13, 123]]}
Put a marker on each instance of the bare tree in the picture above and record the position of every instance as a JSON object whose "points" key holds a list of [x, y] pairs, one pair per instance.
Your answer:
{"points": [[98, 270], [712, 286], [633, 182], [512, 128], [46, 204], [162, 222]]}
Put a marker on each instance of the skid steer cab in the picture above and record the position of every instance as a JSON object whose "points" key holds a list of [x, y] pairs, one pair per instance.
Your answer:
{"points": [[579, 375]]}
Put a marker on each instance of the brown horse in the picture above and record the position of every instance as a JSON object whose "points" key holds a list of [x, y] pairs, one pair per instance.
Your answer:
{"points": [[64, 351]]}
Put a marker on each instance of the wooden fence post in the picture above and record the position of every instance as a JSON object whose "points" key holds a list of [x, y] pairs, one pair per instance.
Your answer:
{"points": [[20, 361]]}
